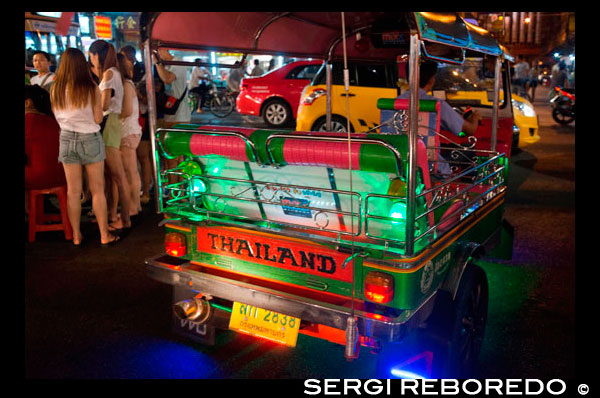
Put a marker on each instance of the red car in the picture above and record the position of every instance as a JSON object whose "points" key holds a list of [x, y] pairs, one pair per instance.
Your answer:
{"points": [[275, 95]]}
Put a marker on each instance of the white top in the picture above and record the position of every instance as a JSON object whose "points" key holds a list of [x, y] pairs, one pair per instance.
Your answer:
{"points": [[79, 120], [116, 83], [37, 79], [197, 73], [175, 89], [131, 125], [257, 71]]}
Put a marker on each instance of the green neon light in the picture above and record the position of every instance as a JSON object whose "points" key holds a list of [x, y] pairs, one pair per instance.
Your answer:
{"points": [[221, 307], [398, 211]]}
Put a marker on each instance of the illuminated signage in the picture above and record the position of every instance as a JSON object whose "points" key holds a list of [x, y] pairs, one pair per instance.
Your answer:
{"points": [[127, 23], [103, 26]]}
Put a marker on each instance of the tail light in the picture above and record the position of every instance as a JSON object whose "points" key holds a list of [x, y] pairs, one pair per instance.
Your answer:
{"points": [[379, 287], [175, 244], [310, 98]]}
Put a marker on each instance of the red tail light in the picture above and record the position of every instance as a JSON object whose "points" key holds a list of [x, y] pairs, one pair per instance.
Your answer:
{"points": [[175, 244], [379, 287]]}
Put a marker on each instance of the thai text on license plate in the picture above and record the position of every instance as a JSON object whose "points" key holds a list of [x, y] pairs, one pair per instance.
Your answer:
{"points": [[259, 322]]}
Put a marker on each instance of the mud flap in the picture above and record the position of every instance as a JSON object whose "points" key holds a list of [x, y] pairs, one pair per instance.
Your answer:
{"points": [[200, 333]]}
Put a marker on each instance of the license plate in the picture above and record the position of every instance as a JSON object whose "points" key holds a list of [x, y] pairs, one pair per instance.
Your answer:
{"points": [[259, 322]]}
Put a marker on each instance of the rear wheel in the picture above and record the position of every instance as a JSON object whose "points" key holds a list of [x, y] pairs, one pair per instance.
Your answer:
{"points": [[277, 113], [222, 105], [338, 125], [563, 117], [449, 342], [468, 324]]}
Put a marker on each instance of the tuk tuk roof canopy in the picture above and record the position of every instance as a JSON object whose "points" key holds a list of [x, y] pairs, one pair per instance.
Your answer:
{"points": [[370, 35]]}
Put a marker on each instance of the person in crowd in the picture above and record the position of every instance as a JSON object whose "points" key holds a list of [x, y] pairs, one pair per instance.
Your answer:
{"points": [[271, 65], [143, 150], [450, 120], [521, 76], [77, 106], [131, 134], [41, 62], [103, 58], [257, 70], [42, 170], [137, 68], [236, 75], [560, 78], [200, 83], [174, 78], [533, 80]]}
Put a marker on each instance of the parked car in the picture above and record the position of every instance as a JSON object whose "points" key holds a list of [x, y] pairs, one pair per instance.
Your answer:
{"points": [[369, 82], [275, 95]]}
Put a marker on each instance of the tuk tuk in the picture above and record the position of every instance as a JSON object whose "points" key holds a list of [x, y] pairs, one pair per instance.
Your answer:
{"points": [[354, 238]]}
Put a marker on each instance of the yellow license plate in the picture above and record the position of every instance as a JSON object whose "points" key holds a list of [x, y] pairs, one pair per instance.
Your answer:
{"points": [[264, 323]]}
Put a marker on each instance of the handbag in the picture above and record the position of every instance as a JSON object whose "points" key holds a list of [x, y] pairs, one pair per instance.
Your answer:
{"points": [[167, 104]]}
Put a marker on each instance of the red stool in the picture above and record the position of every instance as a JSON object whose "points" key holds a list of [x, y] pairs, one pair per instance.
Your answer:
{"points": [[38, 218]]}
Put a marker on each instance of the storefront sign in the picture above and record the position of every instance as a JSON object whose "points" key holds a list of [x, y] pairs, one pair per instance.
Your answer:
{"points": [[128, 23], [103, 26]]}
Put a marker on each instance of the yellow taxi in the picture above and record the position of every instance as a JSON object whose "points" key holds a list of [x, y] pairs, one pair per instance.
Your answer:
{"points": [[368, 82], [526, 120]]}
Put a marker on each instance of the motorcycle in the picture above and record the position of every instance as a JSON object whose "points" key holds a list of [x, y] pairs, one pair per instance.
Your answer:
{"points": [[563, 105], [219, 100], [544, 79]]}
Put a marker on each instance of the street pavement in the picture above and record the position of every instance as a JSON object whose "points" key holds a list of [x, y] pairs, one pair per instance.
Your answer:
{"points": [[92, 313]]}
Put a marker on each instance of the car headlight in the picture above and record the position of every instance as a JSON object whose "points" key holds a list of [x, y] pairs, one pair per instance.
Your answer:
{"points": [[524, 108], [310, 98]]}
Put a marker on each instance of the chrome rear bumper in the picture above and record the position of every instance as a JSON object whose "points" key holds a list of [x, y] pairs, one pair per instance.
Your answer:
{"points": [[160, 268]]}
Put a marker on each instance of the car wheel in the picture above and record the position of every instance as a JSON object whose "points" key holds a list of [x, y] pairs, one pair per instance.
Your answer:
{"points": [[277, 113], [338, 125]]}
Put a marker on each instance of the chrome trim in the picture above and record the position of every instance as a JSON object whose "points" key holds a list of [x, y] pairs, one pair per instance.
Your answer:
{"points": [[310, 310], [413, 111]]}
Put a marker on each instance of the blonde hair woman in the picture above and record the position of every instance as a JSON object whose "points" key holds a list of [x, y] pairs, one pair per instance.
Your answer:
{"points": [[77, 106]]}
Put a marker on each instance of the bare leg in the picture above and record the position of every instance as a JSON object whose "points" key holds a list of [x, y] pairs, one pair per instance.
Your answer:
{"points": [[143, 153], [129, 158], [115, 165], [96, 183], [73, 174]]}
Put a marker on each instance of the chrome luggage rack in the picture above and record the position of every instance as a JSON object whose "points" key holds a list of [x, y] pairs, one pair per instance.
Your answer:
{"points": [[356, 225]]}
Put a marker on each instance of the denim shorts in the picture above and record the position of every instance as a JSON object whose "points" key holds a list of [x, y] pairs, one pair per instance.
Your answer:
{"points": [[80, 148]]}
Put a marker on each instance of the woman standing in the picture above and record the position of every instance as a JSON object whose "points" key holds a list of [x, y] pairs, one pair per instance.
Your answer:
{"points": [[143, 149], [103, 58], [77, 106], [131, 134]]}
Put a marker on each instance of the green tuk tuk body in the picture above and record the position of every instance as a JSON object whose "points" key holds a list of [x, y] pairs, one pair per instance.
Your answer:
{"points": [[348, 238]]}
